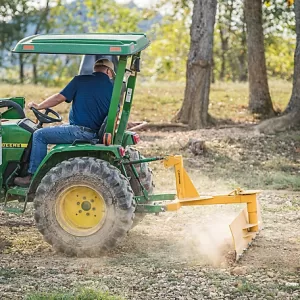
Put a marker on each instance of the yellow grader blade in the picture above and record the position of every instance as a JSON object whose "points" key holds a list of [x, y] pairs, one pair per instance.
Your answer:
{"points": [[246, 225], [243, 232]]}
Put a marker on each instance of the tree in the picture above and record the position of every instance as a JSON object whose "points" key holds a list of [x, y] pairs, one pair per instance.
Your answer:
{"points": [[294, 103], [41, 24], [15, 17], [291, 116], [230, 42], [194, 110], [171, 34], [113, 17], [259, 95]]}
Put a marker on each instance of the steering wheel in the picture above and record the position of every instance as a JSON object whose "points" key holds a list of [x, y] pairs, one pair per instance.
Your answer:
{"points": [[44, 118]]}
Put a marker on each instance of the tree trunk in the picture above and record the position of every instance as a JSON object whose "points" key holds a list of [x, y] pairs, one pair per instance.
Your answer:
{"points": [[259, 95], [194, 110], [291, 117], [213, 75], [225, 21], [21, 71], [243, 74], [34, 70], [43, 18], [224, 49], [294, 103]]}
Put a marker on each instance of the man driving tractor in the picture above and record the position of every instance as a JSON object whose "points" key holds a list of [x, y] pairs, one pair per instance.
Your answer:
{"points": [[90, 96]]}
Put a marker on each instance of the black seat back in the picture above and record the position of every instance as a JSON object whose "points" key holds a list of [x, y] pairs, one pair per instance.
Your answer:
{"points": [[102, 131]]}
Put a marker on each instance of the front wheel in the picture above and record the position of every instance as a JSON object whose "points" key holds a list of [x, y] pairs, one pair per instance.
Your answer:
{"points": [[84, 206]]}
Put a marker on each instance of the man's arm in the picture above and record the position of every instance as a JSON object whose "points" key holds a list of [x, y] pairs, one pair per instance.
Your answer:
{"points": [[49, 102]]}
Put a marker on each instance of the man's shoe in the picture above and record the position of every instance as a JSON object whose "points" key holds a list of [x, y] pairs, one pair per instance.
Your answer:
{"points": [[23, 181]]}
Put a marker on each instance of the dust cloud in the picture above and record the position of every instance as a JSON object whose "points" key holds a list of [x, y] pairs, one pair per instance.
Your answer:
{"points": [[208, 241]]}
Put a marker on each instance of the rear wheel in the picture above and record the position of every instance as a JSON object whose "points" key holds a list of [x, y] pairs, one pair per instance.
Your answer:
{"points": [[84, 206], [146, 178]]}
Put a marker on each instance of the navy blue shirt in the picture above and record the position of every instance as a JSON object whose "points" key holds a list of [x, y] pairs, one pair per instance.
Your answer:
{"points": [[91, 95]]}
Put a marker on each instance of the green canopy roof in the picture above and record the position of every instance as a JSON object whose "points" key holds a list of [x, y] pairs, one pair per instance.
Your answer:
{"points": [[92, 43]]}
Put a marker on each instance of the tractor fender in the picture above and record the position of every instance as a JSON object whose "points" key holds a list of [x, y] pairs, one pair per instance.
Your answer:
{"points": [[63, 152]]}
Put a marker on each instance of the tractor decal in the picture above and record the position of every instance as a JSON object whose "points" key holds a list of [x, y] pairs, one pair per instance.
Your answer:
{"points": [[14, 145], [128, 96]]}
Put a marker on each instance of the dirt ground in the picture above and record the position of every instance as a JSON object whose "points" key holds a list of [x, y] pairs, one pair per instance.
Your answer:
{"points": [[187, 254]]}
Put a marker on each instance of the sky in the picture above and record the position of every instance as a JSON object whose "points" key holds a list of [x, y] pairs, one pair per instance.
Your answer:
{"points": [[141, 3]]}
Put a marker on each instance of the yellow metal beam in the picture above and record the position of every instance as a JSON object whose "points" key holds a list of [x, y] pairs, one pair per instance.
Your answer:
{"points": [[184, 185]]}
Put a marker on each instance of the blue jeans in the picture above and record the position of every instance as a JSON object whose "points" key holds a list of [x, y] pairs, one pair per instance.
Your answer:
{"points": [[63, 134]]}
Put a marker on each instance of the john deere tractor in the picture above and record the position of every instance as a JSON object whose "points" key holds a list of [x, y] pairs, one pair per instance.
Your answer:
{"points": [[89, 194]]}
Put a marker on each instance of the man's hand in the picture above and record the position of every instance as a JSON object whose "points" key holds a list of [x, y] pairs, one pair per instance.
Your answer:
{"points": [[32, 104]]}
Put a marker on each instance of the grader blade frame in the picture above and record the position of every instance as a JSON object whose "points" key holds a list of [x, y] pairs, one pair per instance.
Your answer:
{"points": [[245, 226]]}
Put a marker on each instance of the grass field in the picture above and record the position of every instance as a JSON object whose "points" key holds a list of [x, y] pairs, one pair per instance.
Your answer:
{"points": [[84, 294], [272, 162], [159, 102]]}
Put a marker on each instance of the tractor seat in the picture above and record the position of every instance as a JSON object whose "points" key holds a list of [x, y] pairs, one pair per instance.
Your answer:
{"points": [[98, 139], [102, 130]]}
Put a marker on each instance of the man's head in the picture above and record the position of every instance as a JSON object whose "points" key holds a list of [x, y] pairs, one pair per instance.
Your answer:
{"points": [[105, 66]]}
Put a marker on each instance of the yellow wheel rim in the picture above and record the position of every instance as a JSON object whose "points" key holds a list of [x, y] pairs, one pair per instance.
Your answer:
{"points": [[80, 210]]}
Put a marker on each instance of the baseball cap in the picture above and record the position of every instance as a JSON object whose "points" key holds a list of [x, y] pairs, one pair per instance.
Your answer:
{"points": [[107, 63]]}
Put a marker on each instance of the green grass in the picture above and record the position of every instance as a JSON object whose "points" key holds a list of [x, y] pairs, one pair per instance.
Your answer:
{"points": [[159, 102], [84, 294], [289, 289], [245, 287]]}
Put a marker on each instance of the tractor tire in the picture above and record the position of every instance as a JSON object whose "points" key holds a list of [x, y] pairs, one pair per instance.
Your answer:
{"points": [[84, 207], [146, 178]]}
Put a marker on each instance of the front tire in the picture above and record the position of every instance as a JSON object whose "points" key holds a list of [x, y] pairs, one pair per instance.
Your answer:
{"points": [[84, 206]]}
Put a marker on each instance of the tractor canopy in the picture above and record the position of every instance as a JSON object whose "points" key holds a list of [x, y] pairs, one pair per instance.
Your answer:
{"points": [[92, 43], [121, 45]]}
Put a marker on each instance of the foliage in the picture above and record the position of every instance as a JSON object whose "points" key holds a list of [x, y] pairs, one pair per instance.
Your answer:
{"points": [[112, 17], [75, 17], [15, 18], [82, 17], [84, 294], [230, 42], [58, 69], [280, 57], [230, 60], [166, 58]]}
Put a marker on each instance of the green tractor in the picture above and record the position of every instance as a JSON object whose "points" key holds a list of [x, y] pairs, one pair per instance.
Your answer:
{"points": [[89, 194]]}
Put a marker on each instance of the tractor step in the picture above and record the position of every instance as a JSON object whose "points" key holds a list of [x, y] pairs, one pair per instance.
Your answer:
{"points": [[20, 191], [17, 191], [13, 210]]}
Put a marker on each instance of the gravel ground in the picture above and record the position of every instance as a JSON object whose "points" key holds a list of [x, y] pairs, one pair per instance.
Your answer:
{"points": [[183, 255]]}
